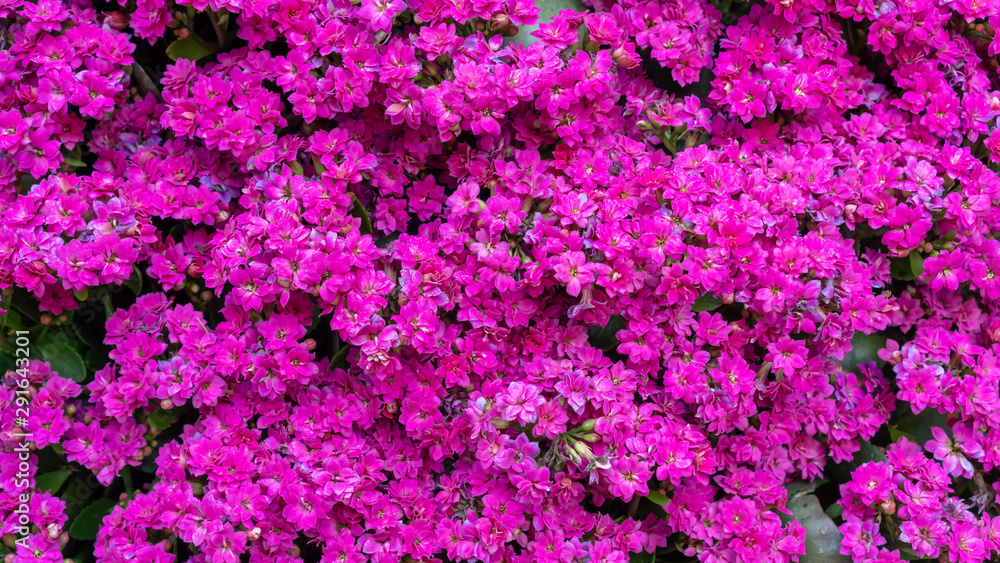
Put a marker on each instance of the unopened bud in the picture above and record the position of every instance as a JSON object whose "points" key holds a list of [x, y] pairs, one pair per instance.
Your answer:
{"points": [[310, 344], [511, 31], [70, 409], [117, 20], [588, 425], [590, 437], [166, 404], [584, 450], [45, 319], [888, 507], [53, 530], [254, 534], [206, 295]]}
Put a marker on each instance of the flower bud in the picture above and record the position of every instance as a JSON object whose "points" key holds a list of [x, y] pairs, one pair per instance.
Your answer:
{"points": [[888, 507], [994, 330], [70, 409], [206, 295], [590, 437], [310, 344], [510, 31], [166, 404], [53, 530], [45, 319], [117, 20], [584, 450], [254, 534], [588, 425]]}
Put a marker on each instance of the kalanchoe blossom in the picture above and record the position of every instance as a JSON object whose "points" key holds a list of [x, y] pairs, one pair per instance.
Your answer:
{"points": [[404, 288]]}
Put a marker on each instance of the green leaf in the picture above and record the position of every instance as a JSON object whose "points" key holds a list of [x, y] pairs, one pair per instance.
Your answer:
{"points": [[161, 419], [900, 269], [188, 48], [906, 553], [834, 510], [82, 295], [642, 557], [359, 212], [86, 524], [706, 302], [896, 434], [798, 487], [51, 481], [916, 427], [916, 264], [823, 539], [339, 360], [658, 498], [606, 337], [64, 360], [546, 10], [134, 282], [13, 320], [864, 349]]}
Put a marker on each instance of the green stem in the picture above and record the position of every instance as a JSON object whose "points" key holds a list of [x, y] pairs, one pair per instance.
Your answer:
{"points": [[127, 477], [219, 34]]}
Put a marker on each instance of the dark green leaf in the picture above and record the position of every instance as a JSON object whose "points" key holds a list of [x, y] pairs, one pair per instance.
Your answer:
{"points": [[916, 427], [134, 282], [864, 348], [161, 419], [188, 48], [13, 320], [706, 302], [7, 362], [82, 295], [51, 481], [642, 557], [339, 360], [916, 264], [360, 212], [546, 10], [64, 360], [834, 510], [896, 434], [900, 269], [800, 488], [822, 536], [88, 522], [660, 499], [605, 337]]}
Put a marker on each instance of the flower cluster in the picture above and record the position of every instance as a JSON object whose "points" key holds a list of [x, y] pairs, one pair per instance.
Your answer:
{"points": [[406, 290]]}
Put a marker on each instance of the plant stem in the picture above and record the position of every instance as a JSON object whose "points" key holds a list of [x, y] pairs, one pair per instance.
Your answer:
{"points": [[219, 34]]}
